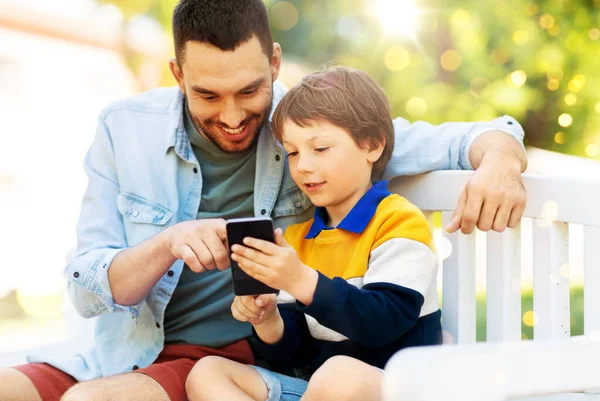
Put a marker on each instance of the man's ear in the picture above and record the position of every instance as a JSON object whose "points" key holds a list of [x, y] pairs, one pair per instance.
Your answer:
{"points": [[177, 73], [275, 61]]}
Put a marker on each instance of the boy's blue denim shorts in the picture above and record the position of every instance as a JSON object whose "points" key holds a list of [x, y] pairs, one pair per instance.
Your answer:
{"points": [[282, 387]]}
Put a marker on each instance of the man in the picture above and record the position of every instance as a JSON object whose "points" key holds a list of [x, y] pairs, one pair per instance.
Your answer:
{"points": [[167, 166]]}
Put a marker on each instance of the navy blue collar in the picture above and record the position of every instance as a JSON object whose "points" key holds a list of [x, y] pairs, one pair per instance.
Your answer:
{"points": [[359, 217]]}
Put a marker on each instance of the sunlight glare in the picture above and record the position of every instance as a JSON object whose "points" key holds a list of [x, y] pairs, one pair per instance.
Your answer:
{"points": [[398, 17]]}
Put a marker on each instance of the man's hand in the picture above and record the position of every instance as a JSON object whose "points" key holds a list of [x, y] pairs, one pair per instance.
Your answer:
{"points": [[494, 197], [277, 265], [200, 243]]}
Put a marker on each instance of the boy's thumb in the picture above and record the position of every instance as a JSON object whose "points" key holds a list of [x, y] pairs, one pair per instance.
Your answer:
{"points": [[279, 239]]}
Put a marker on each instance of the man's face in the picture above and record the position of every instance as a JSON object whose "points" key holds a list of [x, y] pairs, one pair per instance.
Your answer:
{"points": [[229, 93]]}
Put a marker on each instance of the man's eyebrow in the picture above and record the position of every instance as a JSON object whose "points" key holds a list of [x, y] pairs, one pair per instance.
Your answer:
{"points": [[252, 85], [203, 91]]}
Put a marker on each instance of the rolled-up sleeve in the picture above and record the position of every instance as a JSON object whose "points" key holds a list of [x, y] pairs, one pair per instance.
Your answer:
{"points": [[100, 233], [421, 147]]}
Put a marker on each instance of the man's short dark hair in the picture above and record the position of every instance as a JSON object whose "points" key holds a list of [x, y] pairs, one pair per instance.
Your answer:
{"points": [[225, 24]]}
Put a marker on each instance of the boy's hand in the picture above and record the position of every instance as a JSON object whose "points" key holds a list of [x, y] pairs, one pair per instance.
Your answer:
{"points": [[277, 265], [255, 310]]}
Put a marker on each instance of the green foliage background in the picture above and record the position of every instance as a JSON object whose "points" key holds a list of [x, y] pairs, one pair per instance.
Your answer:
{"points": [[541, 40]]}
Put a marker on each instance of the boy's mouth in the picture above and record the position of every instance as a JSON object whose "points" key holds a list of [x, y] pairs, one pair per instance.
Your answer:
{"points": [[313, 186]]}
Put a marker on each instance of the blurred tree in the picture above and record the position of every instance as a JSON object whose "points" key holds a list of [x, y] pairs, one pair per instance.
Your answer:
{"points": [[538, 61]]}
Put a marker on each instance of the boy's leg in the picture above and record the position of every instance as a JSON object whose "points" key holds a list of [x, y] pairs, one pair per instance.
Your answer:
{"points": [[15, 386], [342, 378], [219, 379]]}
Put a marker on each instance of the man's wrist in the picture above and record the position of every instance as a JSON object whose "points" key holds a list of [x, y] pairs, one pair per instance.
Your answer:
{"points": [[505, 158], [495, 144]]}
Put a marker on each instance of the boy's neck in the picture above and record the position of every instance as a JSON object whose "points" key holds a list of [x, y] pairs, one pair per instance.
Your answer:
{"points": [[337, 213]]}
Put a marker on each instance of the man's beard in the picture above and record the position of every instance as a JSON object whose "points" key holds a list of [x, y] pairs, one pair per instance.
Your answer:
{"points": [[206, 133]]}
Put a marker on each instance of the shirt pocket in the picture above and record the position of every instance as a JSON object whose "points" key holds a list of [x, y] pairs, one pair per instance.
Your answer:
{"points": [[291, 202], [142, 218]]}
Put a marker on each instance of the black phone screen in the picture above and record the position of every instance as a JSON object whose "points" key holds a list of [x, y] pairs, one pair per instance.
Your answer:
{"points": [[237, 230]]}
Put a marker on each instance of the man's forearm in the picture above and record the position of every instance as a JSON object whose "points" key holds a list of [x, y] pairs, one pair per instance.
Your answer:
{"points": [[134, 271], [497, 142]]}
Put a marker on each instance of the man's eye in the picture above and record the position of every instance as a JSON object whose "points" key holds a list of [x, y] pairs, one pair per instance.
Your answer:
{"points": [[249, 92], [209, 98]]}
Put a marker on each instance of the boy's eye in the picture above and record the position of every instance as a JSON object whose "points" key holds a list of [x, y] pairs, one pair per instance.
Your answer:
{"points": [[321, 150], [292, 154]]}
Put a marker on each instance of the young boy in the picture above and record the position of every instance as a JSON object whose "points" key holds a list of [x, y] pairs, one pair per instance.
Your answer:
{"points": [[358, 281]]}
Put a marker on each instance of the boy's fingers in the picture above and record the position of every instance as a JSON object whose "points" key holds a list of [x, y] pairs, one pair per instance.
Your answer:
{"points": [[265, 247], [265, 299]]}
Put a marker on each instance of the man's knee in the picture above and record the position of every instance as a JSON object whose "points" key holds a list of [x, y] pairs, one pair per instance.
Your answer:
{"points": [[15, 386], [136, 386]]}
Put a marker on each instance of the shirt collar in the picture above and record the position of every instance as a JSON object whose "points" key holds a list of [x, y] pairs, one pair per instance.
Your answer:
{"points": [[359, 217]]}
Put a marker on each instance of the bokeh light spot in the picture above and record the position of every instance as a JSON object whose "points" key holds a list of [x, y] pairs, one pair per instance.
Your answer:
{"points": [[553, 84], [594, 33], [550, 211], [283, 16], [592, 150], [559, 138], [520, 37], [565, 120], [416, 107], [518, 77], [570, 99], [451, 60], [530, 318], [597, 107], [577, 83], [397, 58], [546, 21]]}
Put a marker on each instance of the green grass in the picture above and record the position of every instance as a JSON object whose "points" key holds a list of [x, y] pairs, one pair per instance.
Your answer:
{"points": [[527, 305]]}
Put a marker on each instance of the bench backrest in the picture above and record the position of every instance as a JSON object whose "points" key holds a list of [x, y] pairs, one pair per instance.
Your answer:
{"points": [[554, 205]]}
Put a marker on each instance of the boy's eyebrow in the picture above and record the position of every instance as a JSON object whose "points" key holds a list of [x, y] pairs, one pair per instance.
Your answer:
{"points": [[311, 139], [252, 85]]}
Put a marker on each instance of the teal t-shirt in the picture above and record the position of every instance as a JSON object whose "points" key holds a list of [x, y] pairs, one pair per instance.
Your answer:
{"points": [[199, 310]]}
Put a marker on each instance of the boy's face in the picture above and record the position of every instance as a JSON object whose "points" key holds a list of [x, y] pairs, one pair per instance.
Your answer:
{"points": [[328, 165]]}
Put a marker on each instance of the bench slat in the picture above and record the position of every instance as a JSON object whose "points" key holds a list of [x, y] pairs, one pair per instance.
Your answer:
{"points": [[591, 261], [504, 285], [551, 302], [458, 302]]}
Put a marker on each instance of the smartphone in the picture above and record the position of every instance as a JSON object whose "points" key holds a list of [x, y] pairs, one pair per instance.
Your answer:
{"points": [[237, 230]]}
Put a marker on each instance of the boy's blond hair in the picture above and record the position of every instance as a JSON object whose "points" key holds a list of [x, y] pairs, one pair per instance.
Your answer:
{"points": [[345, 97]]}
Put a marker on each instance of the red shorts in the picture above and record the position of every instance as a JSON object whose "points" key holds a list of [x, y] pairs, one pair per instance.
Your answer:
{"points": [[170, 369]]}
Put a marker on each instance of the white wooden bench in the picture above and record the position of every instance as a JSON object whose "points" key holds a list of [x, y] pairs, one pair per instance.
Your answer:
{"points": [[505, 366]]}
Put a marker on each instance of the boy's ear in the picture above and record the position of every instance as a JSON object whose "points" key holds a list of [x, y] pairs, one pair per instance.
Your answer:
{"points": [[375, 151]]}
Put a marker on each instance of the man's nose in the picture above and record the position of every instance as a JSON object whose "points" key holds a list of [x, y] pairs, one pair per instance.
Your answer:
{"points": [[232, 115]]}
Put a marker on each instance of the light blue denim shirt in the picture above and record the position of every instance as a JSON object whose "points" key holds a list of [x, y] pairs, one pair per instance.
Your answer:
{"points": [[144, 177]]}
